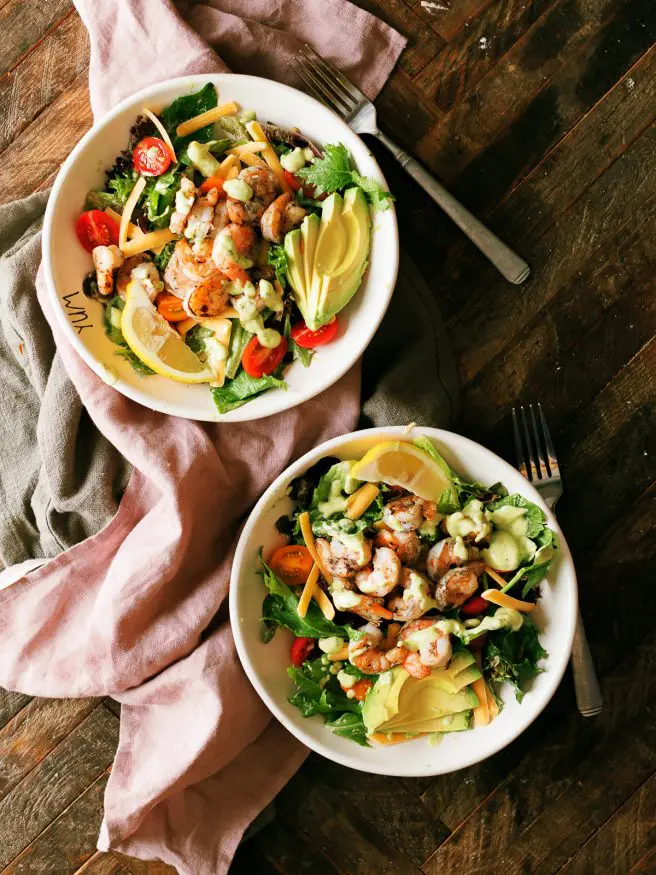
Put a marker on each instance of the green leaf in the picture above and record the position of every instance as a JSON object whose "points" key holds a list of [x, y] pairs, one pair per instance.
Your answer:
{"points": [[239, 339], [195, 338], [513, 656], [113, 306], [277, 258], [534, 516], [304, 356], [158, 198], [161, 259], [235, 393], [333, 172], [137, 365], [351, 726], [187, 107], [280, 607]]}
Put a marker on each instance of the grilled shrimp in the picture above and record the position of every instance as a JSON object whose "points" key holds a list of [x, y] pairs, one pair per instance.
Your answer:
{"points": [[448, 553], [457, 585], [123, 274], [415, 599], [241, 238], [208, 298], [432, 652], [339, 560], [368, 654], [200, 221], [347, 598], [106, 260], [176, 280], [407, 514], [382, 575], [184, 201], [279, 217], [406, 545], [196, 262], [263, 182], [245, 212]]}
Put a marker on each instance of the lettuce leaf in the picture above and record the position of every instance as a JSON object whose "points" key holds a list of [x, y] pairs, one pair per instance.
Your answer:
{"points": [[187, 107], [235, 393], [513, 656], [115, 305]]}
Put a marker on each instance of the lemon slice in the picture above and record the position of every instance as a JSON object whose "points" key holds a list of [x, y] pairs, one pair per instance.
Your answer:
{"points": [[155, 343], [401, 464]]}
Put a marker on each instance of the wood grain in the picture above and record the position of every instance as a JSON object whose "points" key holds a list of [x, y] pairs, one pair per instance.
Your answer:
{"points": [[23, 23], [102, 864]]}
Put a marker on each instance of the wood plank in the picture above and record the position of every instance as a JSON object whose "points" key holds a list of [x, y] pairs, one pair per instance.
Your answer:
{"points": [[34, 732], [450, 17], [69, 841], [113, 706], [403, 112], [322, 813], [476, 49], [423, 42], [42, 76], [23, 23], [646, 866], [592, 42], [143, 867], [565, 759], [65, 773], [10, 704], [40, 149], [102, 864], [623, 841], [495, 316], [557, 182], [291, 852]]}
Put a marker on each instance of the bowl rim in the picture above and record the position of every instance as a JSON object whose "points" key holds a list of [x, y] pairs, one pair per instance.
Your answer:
{"points": [[361, 342], [554, 675]]}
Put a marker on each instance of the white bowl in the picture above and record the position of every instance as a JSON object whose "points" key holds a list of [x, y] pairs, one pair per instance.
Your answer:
{"points": [[66, 262], [265, 664]]}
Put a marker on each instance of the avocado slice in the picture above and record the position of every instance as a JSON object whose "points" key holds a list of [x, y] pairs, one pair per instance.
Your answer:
{"points": [[341, 283], [421, 700], [466, 677], [461, 660], [295, 267], [310, 233], [449, 723], [382, 701]]}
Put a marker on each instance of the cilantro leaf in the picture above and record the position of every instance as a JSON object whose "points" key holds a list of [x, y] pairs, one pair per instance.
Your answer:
{"points": [[513, 656], [333, 172]]}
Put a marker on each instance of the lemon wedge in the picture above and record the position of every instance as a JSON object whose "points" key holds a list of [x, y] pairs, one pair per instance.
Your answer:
{"points": [[155, 343], [401, 464]]}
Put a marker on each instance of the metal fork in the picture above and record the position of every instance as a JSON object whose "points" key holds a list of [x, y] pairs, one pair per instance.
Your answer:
{"points": [[328, 85], [541, 469]]}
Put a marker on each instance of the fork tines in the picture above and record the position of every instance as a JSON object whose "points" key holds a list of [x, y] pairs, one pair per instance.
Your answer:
{"points": [[325, 82], [536, 455]]}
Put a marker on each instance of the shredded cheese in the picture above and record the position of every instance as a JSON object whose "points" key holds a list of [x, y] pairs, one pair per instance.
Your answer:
{"points": [[233, 173], [357, 503], [133, 230], [495, 577], [252, 160], [149, 241], [324, 603], [128, 209], [219, 376], [162, 130], [206, 118], [308, 591], [507, 601], [245, 148], [186, 325], [254, 128], [226, 165], [308, 537]]}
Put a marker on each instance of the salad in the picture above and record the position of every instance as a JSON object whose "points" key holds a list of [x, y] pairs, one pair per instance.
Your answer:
{"points": [[409, 591], [224, 247]]}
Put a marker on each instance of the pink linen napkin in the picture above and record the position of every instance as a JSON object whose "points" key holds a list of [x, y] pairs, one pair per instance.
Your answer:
{"points": [[138, 611]]}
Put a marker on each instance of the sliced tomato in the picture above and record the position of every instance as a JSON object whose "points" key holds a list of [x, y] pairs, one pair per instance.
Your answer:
{"points": [[151, 156], [213, 182], [301, 649], [292, 180], [170, 307], [292, 564], [361, 688], [259, 361], [95, 228], [308, 339], [295, 183], [474, 606]]}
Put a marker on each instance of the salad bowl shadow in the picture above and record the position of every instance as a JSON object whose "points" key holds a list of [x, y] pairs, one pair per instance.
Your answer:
{"points": [[66, 263], [266, 664]]}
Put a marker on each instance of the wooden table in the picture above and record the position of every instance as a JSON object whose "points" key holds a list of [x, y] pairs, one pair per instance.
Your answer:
{"points": [[537, 114]]}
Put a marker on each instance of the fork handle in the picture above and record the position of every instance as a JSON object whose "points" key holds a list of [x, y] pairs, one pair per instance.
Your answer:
{"points": [[586, 686], [507, 262]]}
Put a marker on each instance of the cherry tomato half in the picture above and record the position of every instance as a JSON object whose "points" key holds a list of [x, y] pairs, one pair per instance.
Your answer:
{"points": [[292, 180], [308, 339], [151, 157], [259, 361], [170, 307], [292, 564], [95, 228], [301, 649], [474, 606]]}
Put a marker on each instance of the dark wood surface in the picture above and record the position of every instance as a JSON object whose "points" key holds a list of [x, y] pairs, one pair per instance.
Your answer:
{"points": [[539, 115]]}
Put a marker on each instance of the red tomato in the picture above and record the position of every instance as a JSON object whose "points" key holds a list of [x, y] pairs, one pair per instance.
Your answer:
{"points": [[292, 564], [295, 182], [474, 606], [301, 649], [361, 688], [302, 335], [292, 180], [151, 157], [258, 361], [95, 228]]}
